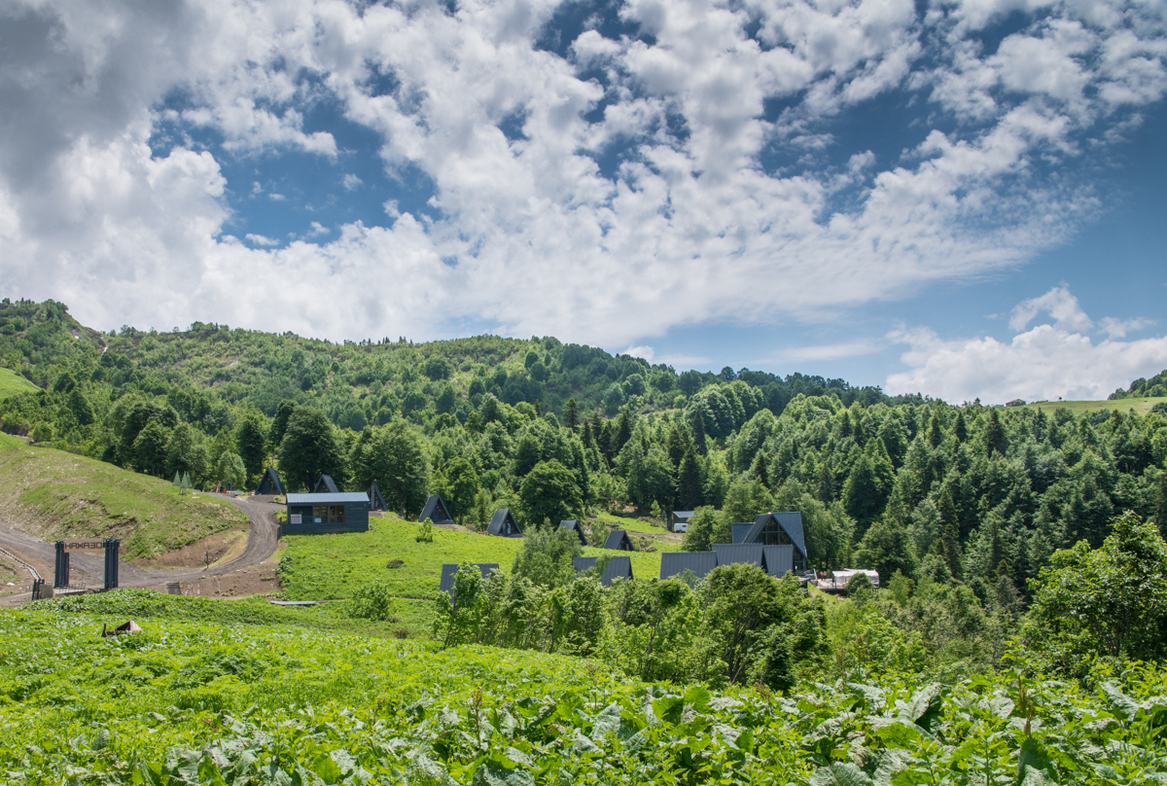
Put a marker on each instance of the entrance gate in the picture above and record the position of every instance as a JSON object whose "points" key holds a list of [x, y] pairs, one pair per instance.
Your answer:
{"points": [[64, 547]]}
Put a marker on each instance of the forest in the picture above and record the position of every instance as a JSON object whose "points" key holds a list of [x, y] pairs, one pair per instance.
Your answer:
{"points": [[965, 505]]}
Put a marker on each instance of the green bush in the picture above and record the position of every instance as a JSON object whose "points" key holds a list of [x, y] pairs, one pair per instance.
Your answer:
{"points": [[373, 602]]}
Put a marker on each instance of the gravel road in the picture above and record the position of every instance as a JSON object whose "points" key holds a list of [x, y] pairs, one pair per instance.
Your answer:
{"points": [[87, 568]]}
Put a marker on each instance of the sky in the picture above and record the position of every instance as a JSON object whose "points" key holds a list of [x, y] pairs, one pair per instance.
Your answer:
{"points": [[960, 198]]}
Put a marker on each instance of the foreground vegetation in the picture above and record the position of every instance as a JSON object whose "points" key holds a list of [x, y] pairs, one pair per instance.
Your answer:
{"points": [[187, 702], [63, 495]]}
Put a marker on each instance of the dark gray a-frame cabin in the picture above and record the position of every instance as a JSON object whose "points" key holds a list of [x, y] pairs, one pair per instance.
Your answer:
{"points": [[450, 571], [733, 553], [677, 563], [618, 540], [503, 524], [435, 510], [376, 498], [269, 484], [326, 485], [777, 529], [617, 568], [572, 525]]}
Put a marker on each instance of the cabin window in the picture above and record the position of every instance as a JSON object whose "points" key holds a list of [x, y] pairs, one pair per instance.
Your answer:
{"points": [[328, 514]]}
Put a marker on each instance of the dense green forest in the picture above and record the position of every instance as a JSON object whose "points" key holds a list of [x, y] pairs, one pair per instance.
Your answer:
{"points": [[966, 495]]}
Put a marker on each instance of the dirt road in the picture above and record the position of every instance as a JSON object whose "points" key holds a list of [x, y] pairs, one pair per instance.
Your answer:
{"points": [[87, 569]]}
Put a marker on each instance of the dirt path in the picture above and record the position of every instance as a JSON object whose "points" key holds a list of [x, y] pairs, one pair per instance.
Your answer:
{"points": [[88, 569]]}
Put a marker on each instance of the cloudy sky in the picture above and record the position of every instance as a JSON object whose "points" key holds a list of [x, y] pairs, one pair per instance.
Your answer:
{"points": [[963, 198]]}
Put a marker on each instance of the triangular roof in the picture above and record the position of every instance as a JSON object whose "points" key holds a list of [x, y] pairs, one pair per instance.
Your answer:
{"points": [[503, 523], [732, 553], [270, 483], [326, 485], [779, 560], [450, 570], [436, 511], [789, 522], [573, 524], [739, 530], [377, 499], [675, 563], [618, 540], [617, 568]]}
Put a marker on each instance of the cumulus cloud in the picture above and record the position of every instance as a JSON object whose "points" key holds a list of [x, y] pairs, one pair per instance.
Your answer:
{"points": [[638, 193], [1046, 362]]}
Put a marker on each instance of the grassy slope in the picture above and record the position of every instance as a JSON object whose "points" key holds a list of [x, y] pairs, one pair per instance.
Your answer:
{"points": [[55, 494], [332, 566], [199, 702], [1141, 406], [12, 383]]}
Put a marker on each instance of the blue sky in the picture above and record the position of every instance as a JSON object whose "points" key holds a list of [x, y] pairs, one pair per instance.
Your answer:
{"points": [[962, 198]]}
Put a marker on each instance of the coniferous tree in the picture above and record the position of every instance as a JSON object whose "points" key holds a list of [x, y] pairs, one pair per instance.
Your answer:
{"points": [[994, 435], [934, 434], [689, 496], [571, 414], [1161, 505], [959, 429]]}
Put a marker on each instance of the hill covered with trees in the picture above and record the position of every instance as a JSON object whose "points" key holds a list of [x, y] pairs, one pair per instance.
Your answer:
{"points": [[970, 494]]}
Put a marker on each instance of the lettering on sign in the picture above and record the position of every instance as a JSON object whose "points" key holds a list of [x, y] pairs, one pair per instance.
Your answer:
{"points": [[84, 545]]}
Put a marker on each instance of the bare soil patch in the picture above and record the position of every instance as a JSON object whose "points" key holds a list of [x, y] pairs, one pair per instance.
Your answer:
{"points": [[218, 547]]}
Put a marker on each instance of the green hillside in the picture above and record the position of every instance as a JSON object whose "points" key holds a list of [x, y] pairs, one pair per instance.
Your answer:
{"points": [[55, 494], [1140, 406], [198, 702], [12, 383]]}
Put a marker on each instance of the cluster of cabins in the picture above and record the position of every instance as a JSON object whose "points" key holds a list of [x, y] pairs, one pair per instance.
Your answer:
{"points": [[774, 542]]}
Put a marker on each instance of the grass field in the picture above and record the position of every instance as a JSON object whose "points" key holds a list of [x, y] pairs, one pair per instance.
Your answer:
{"points": [[317, 567], [1141, 406], [54, 494], [12, 383]]}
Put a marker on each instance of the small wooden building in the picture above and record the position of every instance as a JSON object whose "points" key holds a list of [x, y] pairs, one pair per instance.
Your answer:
{"points": [[572, 525], [435, 510], [618, 540], [320, 513], [376, 498], [503, 524], [326, 485], [270, 483]]}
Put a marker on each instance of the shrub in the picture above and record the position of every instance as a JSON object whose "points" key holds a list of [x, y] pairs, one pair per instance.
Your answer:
{"points": [[372, 602]]}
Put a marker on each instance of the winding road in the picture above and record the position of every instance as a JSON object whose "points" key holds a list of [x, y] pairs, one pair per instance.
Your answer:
{"points": [[87, 569]]}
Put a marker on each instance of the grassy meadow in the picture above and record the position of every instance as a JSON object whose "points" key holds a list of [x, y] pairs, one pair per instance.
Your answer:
{"points": [[320, 567], [56, 494], [12, 383], [1140, 406]]}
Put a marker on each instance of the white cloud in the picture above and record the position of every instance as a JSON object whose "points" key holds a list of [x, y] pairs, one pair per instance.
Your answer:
{"points": [[1045, 362], [261, 240], [643, 352], [819, 352], [543, 242], [1059, 304]]}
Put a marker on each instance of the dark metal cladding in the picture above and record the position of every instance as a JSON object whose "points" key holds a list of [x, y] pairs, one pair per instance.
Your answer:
{"points": [[345, 511], [574, 525], [732, 553], [326, 485], [675, 563], [270, 483], [450, 570]]}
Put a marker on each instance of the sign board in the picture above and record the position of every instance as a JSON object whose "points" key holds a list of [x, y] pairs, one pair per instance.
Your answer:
{"points": [[296, 518], [81, 544]]}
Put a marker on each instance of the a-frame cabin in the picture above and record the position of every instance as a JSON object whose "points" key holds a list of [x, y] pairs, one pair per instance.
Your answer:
{"points": [[618, 540], [376, 498], [503, 524], [269, 484], [572, 525], [435, 510], [326, 485]]}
